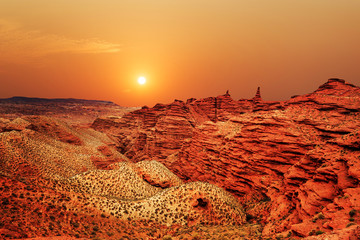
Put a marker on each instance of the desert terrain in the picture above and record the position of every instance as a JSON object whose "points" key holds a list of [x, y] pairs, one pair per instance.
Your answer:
{"points": [[212, 168]]}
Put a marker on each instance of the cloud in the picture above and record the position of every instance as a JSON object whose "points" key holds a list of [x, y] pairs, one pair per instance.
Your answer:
{"points": [[18, 44]]}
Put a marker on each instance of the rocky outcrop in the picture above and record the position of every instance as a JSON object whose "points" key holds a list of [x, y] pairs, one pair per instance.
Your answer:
{"points": [[156, 174], [158, 132], [298, 158], [55, 129], [257, 97], [349, 233], [148, 132], [295, 158], [335, 95]]}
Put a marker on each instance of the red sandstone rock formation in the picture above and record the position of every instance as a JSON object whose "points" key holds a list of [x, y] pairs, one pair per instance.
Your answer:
{"points": [[299, 158], [52, 128]]}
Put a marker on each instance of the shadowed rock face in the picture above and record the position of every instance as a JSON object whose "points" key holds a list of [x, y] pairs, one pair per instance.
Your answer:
{"points": [[298, 158]]}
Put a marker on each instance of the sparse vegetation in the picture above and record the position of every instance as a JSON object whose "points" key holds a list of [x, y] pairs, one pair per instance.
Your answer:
{"points": [[249, 217], [319, 232], [352, 212], [318, 216], [350, 224]]}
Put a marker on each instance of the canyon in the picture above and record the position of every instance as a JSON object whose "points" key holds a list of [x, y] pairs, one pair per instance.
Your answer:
{"points": [[198, 169]]}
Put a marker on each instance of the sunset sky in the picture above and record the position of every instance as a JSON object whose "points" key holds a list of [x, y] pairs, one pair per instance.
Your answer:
{"points": [[97, 49]]}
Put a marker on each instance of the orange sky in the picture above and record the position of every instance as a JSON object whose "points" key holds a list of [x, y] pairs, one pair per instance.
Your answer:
{"points": [[97, 49]]}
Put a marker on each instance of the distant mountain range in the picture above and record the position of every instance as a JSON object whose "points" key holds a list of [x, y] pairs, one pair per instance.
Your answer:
{"points": [[20, 99], [78, 110]]}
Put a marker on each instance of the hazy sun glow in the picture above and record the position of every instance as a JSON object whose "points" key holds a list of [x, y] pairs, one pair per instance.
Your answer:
{"points": [[141, 80], [58, 49]]}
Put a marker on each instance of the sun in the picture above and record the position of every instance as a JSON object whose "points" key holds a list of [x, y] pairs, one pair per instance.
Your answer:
{"points": [[141, 80]]}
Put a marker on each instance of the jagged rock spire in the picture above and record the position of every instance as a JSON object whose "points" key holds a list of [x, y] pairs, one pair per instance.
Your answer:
{"points": [[257, 95]]}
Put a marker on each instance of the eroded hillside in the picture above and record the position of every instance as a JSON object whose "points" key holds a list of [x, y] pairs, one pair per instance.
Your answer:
{"points": [[63, 180]]}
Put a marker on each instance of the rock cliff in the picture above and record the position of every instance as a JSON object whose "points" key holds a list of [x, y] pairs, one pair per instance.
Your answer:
{"points": [[294, 164]]}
